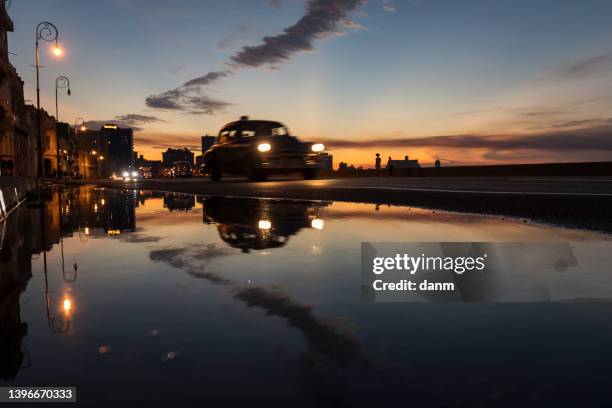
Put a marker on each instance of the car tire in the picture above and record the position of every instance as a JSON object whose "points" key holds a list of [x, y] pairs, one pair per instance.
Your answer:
{"points": [[252, 173], [309, 174]]}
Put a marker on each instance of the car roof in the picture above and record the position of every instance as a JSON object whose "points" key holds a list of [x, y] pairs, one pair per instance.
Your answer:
{"points": [[250, 124]]}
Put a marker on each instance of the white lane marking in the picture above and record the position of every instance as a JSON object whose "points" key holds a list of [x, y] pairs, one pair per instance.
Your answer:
{"points": [[440, 190], [564, 179]]}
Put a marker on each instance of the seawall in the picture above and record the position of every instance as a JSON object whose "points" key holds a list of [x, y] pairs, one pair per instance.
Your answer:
{"points": [[13, 191]]}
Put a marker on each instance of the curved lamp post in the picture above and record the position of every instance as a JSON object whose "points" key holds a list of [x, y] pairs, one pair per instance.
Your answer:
{"points": [[61, 82], [45, 31]]}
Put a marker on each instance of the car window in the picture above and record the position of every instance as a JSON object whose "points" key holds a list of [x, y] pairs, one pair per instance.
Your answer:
{"points": [[247, 133], [223, 136], [279, 131], [226, 135]]}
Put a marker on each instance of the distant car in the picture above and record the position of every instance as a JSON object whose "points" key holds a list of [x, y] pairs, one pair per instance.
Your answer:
{"points": [[147, 172], [127, 175], [257, 148], [181, 169]]}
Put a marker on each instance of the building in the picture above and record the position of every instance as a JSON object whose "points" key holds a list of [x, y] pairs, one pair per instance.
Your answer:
{"points": [[173, 155], [48, 135], [14, 126], [403, 164], [119, 147], [326, 161], [207, 142]]}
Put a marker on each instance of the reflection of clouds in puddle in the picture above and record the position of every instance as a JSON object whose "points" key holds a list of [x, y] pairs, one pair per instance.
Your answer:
{"points": [[322, 336]]}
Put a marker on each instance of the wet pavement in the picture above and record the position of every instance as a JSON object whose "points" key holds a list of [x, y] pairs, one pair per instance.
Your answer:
{"points": [[134, 295], [576, 202]]}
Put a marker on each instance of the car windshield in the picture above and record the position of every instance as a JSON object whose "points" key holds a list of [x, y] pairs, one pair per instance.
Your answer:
{"points": [[265, 129]]}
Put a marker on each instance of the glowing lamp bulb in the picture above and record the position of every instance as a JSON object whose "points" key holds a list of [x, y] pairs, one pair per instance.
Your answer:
{"points": [[67, 305], [83, 128], [57, 51]]}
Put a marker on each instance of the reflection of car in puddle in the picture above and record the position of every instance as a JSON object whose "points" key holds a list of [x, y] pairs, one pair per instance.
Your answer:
{"points": [[249, 223], [179, 202]]}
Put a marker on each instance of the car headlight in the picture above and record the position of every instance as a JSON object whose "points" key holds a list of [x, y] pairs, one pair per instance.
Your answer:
{"points": [[134, 174], [125, 174], [264, 147], [318, 147], [317, 223], [264, 224]]}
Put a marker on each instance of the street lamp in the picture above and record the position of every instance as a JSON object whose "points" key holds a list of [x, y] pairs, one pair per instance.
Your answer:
{"points": [[61, 82], [47, 32], [79, 123]]}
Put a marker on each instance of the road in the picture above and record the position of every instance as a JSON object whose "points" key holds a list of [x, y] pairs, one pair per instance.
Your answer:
{"points": [[584, 202]]}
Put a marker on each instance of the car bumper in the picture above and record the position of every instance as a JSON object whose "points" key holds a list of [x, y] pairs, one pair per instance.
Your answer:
{"points": [[290, 162]]}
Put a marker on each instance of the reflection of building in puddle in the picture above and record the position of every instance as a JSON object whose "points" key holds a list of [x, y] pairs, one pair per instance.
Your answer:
{"points": [[256, 224], [15, 272], [92, 212]]}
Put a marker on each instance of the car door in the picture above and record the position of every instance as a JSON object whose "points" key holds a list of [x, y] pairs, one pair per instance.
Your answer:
{"points": [[223, 151]]}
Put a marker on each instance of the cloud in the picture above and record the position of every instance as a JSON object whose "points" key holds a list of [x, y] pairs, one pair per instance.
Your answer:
{"points": [[598, 138], [582, 123], [130, 120], [274, 3], [322, 19], [207, 79], [134, 118], [188, 99], [388, 6], [177, 68], [166, 140], [588, 66]]}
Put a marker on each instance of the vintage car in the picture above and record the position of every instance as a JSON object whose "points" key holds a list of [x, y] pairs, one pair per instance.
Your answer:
{"points": [[257, 148]]}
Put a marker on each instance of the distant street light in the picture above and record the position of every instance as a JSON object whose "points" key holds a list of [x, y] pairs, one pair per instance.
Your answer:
{"points": [[77, 127], [47, 32], [61, 82], [76, 134]]}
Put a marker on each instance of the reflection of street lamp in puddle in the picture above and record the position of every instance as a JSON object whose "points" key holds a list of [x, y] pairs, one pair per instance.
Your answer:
{"points": [[67, 304]]}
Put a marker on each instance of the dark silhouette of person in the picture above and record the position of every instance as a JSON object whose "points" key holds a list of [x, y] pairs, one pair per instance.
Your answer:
{"points": [[377, 165], [390, 166]]}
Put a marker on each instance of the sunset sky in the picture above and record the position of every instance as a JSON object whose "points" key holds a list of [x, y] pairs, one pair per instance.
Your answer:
{"points": [[466, 81]]}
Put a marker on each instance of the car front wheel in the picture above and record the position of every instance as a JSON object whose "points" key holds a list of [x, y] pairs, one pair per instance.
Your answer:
{"points": [[253, 173], [309, 174]]}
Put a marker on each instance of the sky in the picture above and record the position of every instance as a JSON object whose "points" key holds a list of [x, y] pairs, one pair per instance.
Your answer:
{"points": [[463, 81]]}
